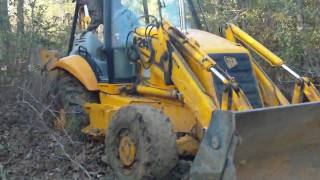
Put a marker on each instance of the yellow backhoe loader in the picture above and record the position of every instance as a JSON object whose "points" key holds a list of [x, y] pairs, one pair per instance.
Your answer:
{"points": [[159, 88]]}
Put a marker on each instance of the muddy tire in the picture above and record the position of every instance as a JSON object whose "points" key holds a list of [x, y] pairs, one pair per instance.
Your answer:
{"points": [[155, 152], [71, 95]]}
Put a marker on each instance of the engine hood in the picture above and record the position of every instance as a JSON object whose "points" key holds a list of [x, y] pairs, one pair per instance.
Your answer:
{"points": [[211, 43]]}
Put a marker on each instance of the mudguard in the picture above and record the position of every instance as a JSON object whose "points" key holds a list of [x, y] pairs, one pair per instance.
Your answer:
{"points": [[80, 69]]}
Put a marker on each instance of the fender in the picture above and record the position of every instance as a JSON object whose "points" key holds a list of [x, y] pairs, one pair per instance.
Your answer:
{"points": [[80, 69]]}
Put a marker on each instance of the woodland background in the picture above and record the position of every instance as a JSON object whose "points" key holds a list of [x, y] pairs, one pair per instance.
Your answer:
{"points": [[290, 28]]}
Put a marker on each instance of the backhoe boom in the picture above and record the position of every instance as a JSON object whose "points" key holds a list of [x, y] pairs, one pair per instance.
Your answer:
{"points": [[303, 87]]}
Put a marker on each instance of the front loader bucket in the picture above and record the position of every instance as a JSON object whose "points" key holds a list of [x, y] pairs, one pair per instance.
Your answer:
{"points": [[272, 143]]}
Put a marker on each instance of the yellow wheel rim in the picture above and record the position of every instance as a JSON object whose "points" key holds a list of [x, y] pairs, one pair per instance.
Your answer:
{"points": [[127, 151]]}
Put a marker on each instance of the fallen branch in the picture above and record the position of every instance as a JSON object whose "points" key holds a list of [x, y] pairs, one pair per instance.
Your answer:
{"points": [[45, 109], [40, 116]]}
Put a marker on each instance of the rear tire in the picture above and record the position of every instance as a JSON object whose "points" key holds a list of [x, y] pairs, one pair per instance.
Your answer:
{"points": [[154, 143], [71, 96]]}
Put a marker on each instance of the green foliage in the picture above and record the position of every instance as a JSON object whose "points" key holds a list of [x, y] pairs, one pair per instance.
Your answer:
{"points": [[46, 24], [290, 28]]}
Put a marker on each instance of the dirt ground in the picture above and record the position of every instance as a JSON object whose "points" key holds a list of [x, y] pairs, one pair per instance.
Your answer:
{"points": [[30, 148]]}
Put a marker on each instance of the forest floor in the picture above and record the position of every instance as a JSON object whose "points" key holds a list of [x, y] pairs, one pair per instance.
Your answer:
{"points": [[30, 148]]}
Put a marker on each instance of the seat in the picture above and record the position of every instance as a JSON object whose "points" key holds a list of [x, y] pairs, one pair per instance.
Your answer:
{"points": [[89, 46]]}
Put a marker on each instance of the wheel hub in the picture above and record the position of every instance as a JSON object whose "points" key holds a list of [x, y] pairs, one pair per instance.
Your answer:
{"points": [[127, 151]]}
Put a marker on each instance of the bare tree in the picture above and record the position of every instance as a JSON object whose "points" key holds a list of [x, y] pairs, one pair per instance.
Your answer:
{"points": [[4, 16], [242, 5], [20, 17], [300, 18], [317, 10], [5, 29]]}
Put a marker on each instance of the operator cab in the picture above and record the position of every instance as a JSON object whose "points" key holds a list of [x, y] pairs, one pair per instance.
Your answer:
{"points": [[109, 57], [122, 17]]}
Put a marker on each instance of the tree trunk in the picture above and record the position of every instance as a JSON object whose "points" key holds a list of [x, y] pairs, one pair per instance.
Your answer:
{"points": [[5, 29], [317, 11], [4, 17], [242, 5], [220, 5], [20, 17], [300, 18], [300, 28]]}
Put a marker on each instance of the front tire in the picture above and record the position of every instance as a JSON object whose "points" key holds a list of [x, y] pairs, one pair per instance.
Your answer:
{"points": [[140, 144], [70, 99]]}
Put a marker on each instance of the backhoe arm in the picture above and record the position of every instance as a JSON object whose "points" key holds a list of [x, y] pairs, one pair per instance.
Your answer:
{"points": [[303, 88]]}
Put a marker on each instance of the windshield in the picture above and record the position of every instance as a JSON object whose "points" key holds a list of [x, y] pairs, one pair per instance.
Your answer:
{"points": [[170, 11], [129, 14]]}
